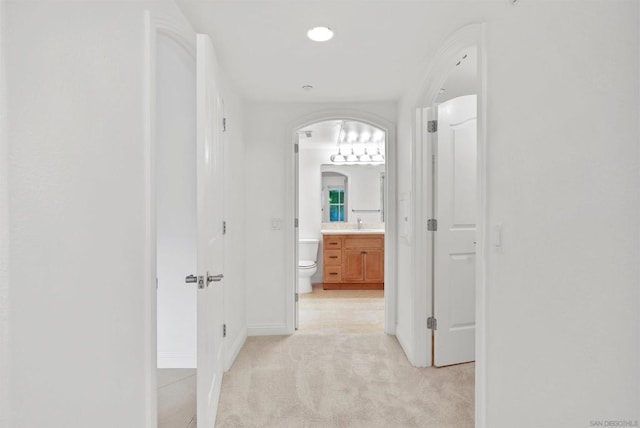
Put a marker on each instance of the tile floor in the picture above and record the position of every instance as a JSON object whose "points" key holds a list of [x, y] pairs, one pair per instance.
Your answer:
{"points": [[321, 312], [176, 398], [341, 311]]}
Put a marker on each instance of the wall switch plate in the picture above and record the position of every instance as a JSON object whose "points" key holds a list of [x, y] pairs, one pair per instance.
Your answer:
{"points": [[276, 223]]}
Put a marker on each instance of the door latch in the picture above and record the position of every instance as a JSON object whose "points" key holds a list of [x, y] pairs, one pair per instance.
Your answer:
{"points": [[214, 278], [192, 279]]}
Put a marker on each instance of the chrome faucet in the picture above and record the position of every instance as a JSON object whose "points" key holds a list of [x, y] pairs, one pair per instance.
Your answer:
{"points": [[359, 223]]}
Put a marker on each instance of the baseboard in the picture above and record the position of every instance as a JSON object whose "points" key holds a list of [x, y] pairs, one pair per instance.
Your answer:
{"points": [[267, 330], [176, 360], [233, 350]]}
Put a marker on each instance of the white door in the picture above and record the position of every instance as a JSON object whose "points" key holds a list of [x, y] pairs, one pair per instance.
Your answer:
{"points": [[296, 234], [210, 246], [455, 209]]}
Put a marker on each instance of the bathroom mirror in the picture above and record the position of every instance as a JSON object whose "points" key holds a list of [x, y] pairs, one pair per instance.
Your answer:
{"points": [[352, 192]]}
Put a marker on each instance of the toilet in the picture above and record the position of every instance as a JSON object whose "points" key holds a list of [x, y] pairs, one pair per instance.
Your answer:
{"points": [[307, 257]]}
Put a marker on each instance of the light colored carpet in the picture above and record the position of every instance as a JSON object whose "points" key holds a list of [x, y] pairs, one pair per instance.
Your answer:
{"points": [[348, 380]]}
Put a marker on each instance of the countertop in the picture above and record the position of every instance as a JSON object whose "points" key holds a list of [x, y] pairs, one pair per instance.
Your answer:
{"points": [[352, 231]]}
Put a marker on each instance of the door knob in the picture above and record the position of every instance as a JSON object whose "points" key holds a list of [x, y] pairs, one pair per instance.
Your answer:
{"points": [[214, 278]]}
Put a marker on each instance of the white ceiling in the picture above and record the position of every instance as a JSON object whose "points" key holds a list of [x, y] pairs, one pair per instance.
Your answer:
{"points": [[380, 47], [327, 134]]}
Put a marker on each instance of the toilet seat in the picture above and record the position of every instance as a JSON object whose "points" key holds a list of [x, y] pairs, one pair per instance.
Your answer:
{"points": [[306, 264]]}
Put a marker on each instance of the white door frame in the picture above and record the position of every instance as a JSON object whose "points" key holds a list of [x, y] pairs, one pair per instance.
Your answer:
{"points": [[185, 36], [472, 35], [390, 244]]}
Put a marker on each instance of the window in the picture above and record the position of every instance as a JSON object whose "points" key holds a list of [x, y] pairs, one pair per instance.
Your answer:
{"points": [[336, 204]]}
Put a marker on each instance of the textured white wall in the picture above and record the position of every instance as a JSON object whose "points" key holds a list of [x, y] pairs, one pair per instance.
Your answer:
{"points": [[562, 157], [562, 298], [77, 208], [4, 237], [176, 218], [266, 141]]}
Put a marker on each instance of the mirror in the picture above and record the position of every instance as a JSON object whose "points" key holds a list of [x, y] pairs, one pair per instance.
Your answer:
{"points": [[352, 192]]}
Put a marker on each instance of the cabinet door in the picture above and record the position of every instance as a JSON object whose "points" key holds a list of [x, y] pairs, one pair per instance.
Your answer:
{"points": [[374, 266], [353, 265]]}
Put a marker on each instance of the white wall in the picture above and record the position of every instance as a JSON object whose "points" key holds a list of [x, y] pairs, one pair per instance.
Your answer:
{"points": [[78, 308], [309, 189], [363, 191], [176, 218], [562, 298], [4, 237], [266, 140]]}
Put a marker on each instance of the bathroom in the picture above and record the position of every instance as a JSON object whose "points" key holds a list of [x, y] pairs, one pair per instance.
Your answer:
{"points": [[341, 210]]}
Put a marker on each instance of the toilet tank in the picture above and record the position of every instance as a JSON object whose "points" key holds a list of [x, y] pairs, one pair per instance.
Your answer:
{"points": [[308, 249]]}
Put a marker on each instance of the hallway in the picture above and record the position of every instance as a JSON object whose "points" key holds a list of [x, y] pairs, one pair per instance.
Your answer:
{"points": [[351, 380]]}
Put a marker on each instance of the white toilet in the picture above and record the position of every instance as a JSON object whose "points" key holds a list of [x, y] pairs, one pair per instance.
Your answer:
{"points": [[307, 257]]}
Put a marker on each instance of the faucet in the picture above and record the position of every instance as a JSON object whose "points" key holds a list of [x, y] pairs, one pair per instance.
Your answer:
{"points": [[359, 223]]}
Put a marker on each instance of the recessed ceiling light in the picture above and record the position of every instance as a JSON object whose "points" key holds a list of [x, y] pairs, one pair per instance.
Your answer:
{"points": [[307, 87], [320, 34]]}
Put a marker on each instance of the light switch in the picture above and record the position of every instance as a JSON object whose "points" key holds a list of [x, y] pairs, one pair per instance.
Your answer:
{"points": [[276, 223]]}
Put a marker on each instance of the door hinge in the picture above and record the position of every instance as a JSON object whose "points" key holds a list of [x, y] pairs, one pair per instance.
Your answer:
{"points": [[224, 227], [224, 330], [432, 126], [432, 323], [295, 223], [297, 297], [432, 225], [224, 124], [295, 148]]}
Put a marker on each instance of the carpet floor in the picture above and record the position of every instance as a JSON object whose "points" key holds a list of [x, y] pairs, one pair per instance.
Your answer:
{"points": [[347, 380]]}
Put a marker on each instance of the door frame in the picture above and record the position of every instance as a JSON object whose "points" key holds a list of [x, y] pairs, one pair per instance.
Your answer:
{"points": [[182, 33], [473, 35], [291, 232]]}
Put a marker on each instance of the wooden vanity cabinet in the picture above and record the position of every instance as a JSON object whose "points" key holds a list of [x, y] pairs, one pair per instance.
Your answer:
{"points": [[353, 262]]}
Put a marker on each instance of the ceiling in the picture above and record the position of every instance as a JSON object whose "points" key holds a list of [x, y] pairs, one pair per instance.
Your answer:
{"points": [[327, 134], [380, 47]]}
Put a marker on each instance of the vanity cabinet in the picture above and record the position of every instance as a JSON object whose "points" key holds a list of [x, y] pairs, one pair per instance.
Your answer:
{"points": [[353, 262]]}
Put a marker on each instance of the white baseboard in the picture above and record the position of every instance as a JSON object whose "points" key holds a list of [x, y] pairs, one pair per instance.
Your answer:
{"points": [[267, 330], [176, 360], [233, 350]]}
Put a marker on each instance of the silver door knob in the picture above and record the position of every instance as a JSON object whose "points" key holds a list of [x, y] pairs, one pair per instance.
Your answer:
{"points": [[214, 278]]}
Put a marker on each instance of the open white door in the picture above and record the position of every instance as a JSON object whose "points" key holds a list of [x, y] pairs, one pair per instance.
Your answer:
{"points": [[210, 234], [296, 235], [455, 209]]}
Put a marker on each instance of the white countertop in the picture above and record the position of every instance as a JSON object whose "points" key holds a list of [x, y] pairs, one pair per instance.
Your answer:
{"points": [[352, 231]]}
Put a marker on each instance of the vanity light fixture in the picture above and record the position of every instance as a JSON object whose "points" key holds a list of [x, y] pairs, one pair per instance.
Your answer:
{"points": [[320, 34], [352, 157], [365, 157], [378, 157], [338, 157]]}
